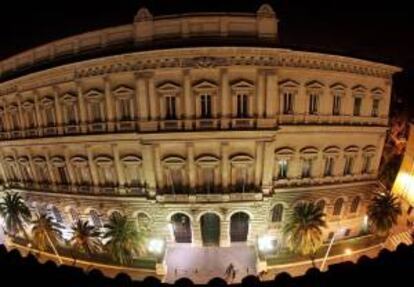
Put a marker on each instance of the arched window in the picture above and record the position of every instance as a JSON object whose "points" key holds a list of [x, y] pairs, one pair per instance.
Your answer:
{"points": [[143, 220], [277, 213], [338, 206], [116, 214], [96, 220], [57, 215], [321, 204], [355, 204]]}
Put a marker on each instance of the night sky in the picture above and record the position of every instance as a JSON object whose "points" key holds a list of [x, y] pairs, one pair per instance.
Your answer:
{"points": [[365, 29]]}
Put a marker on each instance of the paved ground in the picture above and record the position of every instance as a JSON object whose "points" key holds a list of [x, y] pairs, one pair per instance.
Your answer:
{"points": [[200, 264]]}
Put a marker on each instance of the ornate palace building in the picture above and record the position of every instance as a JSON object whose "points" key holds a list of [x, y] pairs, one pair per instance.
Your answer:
{"points": [[195, 125]]}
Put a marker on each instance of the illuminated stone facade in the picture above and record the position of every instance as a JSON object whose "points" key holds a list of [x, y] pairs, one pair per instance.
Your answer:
{"points": [[207, 145]]}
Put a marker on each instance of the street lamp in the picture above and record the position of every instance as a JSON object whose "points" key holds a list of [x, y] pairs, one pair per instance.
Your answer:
{"points": [[340, 231], [156, 246], [265, 243]]}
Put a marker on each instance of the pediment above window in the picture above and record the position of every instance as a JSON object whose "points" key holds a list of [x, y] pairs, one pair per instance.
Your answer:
{"points": [[207, 160], [57, 161], [338, 89], [289, 84], [27, 105], [284, 153], [173, 161], [123, 91], [103, 160], [242, 85], [79, 160], [24, 160], [46, 101], [369, 149], [377, 92], [332, 150], [68, 98], [168, 88], [359, 90], [12, 108], [351, 149], [241, 159], [9, 159], [1, 110], [131, 160], [314, 85], [39, 160], [205, 86], [309, 152], [94, 95]]}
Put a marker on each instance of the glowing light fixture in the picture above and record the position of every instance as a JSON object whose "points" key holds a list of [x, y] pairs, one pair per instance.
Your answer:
{"points": [[156, 246], [265, 243], [348, 251]]}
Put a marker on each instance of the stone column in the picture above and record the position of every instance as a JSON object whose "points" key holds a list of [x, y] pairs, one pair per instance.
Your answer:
{"points": [[118, 167], [295, 167], [384, 108], [149, 171], [58, 110], [153, 101], [260, 93], [225, 99], [141, 96], [225, 233], [326, 102], [271, 95], [109, 104], [32, 167], [339, 165], [188, 100], [225, 168], [69, 166], [380, 146], [158, 168], [82, 108], [319, 163], [50, 169], [301, 102], [258, 170], [191, 165], [6, 119], [20, 110], [2, 169], [92, 166], [268, 166], [196, 233]]}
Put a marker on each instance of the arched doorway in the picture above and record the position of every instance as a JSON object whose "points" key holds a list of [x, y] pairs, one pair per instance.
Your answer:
{"points": [[239, 227], [181, 225], [210, 229]]}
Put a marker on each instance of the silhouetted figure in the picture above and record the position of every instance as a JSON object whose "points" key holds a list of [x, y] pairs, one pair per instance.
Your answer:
{"points": [[183, 282], [250, 281], [217, 282]]}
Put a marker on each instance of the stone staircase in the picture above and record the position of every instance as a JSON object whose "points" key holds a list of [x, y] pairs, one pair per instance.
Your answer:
{"points": [[394, 240]]}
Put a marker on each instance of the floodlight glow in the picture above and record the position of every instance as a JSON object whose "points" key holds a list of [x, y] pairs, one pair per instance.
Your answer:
{"points": [[348, 251], [265, 243], [156, 246]]}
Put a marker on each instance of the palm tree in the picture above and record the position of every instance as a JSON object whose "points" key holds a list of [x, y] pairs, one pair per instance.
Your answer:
{"points": [[383, 212], [303, 230], [124, 239], [85, 237], [46, 232], [15, 213]]}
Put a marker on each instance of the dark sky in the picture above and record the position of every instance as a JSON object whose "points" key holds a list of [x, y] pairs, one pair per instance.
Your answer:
{"points": [[366, 29]]}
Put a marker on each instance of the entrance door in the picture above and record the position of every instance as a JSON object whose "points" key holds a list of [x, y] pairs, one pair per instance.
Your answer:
{"points": [[182, 228], [239, 227], [210, 229]]}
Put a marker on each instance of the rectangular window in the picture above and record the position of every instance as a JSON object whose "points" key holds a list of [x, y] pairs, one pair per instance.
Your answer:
{"points": [[242, 106], [50, 116], [205, 106], [63, 177], [208, 179], [336, 109], [30, 117], [287, 103], [96, 112], [357, 106], [70, 114], [125, 109], [375, 108], [349, 162], [1, 123], [15, 120], [170, 109], [329, 163], [307, 168], [367, 164], [313, 104], [283, 168]]}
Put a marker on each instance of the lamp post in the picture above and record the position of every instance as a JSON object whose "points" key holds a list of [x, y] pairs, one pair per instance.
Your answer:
{"points": [[340, 231]]}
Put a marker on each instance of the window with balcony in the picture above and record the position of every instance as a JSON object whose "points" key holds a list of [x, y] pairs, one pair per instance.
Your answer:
{"points": [[170, 108], [329, 164], [49, 113], [205, 102], [15, 120], [242, 106], [306, 168], [357, 106], [366, 165], [70, 112], [375, 107], [349, 163], [124, 106], [287, 103], [62, 175], [336, 109], [96, 111], [2, 126], [313, 103], [283, 169], [207, 174]]}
